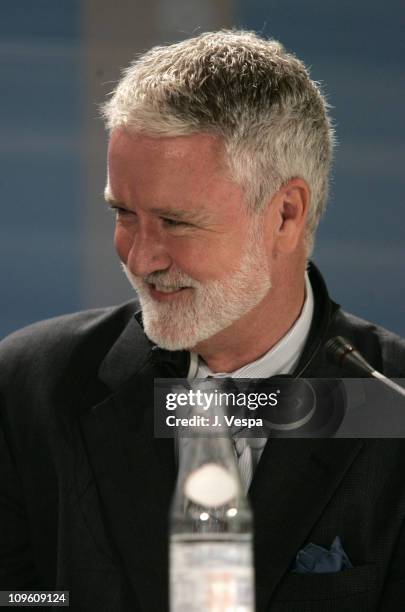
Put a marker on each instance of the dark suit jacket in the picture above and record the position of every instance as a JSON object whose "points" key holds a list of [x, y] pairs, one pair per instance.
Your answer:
{"points": [[85, 487]]}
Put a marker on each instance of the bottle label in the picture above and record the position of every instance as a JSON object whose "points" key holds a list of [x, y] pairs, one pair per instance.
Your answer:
{"points": [[211, 576]]}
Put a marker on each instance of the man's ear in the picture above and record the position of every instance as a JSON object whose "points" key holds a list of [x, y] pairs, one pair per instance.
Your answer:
{"points": [[288, 212]]}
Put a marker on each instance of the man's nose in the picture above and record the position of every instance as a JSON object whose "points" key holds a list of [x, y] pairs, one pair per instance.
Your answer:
{"points": [[147, 253]]}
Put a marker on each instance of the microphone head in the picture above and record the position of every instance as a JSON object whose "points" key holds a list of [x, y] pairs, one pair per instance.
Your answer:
{"points": [[344, 354], [337, 348]]}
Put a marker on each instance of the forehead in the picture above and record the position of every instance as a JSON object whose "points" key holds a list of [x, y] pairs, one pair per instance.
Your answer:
{"points": [[206, 150], [165, 170]]}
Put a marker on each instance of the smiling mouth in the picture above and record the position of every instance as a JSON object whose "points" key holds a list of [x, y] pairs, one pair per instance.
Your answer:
{"points": [[162, 293], [168, 289]]}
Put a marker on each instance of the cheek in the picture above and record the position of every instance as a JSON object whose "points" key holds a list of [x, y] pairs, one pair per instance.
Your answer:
{"points": [[204, 259], [189, 255]]}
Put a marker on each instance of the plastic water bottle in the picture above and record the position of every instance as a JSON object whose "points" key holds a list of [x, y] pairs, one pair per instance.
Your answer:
{"points": [[211, 528]]}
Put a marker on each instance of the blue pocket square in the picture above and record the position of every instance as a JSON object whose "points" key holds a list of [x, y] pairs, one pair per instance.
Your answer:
{"points": [[314, 559]]}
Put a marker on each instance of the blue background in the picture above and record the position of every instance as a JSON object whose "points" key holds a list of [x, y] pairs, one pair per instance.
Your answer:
{"points": [[39, 166]]}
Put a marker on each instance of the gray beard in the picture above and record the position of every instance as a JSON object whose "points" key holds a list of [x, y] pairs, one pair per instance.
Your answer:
{"points": [[208, 307]]}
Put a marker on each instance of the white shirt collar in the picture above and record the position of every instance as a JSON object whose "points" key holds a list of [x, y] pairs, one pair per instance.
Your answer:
{"points": [[280, 359]]}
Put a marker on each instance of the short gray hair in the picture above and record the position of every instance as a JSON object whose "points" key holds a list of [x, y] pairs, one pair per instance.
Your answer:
{"points": [[250, 92]]}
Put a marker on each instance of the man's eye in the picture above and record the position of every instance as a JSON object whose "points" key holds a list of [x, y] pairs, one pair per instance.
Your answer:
{"points": [[174, 222], [120, 212]]}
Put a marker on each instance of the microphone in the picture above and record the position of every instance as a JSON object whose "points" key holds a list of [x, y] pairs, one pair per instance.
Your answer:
{"points": [[344, 353]]}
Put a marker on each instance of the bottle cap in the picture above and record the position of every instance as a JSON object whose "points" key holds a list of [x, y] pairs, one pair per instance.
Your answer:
{"points": [[210, 485]]}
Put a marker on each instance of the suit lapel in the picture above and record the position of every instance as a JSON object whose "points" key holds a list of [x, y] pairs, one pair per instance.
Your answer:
{"points": [[134, 471], [135, 475], [293, 482]]}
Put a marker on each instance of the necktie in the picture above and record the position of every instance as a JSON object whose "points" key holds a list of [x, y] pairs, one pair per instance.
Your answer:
{"points": [[248, 452], [245, 461]]}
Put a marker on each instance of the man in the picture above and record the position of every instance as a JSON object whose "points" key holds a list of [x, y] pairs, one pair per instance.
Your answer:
{"points": [[218, 166]]}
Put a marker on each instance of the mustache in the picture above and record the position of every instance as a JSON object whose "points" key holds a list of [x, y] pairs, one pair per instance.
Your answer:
{"points": [[173, 279], [163, 279]]}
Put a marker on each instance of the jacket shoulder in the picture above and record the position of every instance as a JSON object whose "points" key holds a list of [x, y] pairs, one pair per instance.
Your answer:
{"points": [[52, 341]]}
